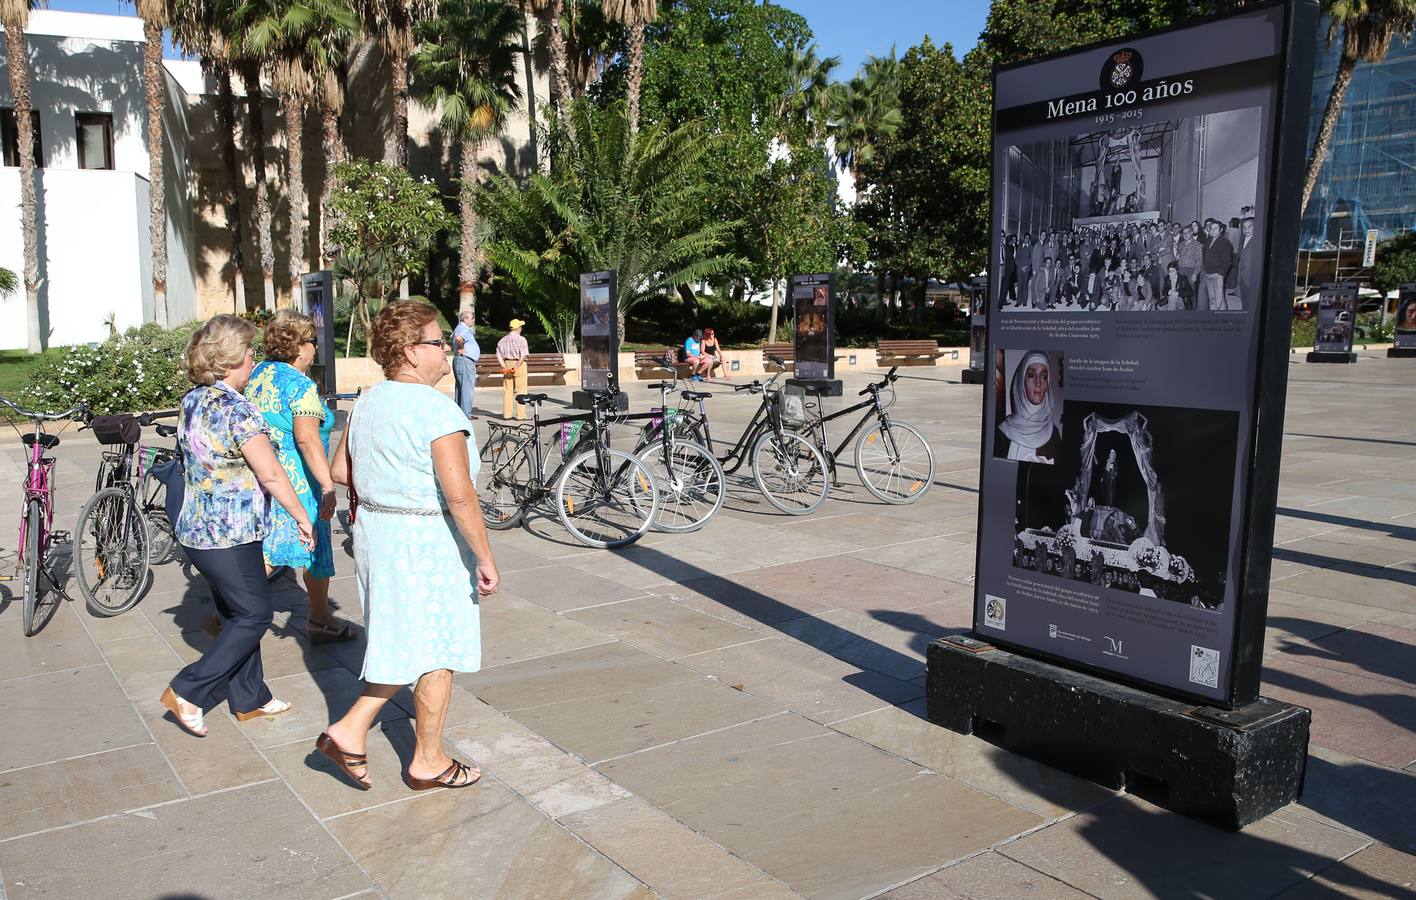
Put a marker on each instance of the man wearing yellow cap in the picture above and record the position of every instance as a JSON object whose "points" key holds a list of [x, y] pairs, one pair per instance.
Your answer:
{"points": [[511, 355]]}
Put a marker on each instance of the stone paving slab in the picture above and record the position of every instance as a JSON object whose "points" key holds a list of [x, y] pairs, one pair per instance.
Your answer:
{"points": [[733, 713]]}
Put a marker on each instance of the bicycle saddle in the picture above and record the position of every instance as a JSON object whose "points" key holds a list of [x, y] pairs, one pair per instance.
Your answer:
{"points": [[660, 385], [532, 398], [167, 431], [47, 441], [695, 395]]}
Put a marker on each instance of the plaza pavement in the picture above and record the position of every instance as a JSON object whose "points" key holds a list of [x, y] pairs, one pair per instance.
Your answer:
{"points": [[735, 713]]}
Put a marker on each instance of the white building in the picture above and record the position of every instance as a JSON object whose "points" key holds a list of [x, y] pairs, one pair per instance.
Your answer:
{"points": [[95, 259], [86, 88]]}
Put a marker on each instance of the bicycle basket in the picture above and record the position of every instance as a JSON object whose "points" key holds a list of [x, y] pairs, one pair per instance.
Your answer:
{"points": [[119, 429], [793, 406]]}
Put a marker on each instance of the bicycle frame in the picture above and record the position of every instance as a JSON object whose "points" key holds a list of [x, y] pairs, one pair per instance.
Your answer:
{"points": [[38, 486], [599, 435], [873, 410]]}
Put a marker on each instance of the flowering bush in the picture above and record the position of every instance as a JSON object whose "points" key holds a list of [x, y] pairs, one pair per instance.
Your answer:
{"points": [[136, 371]]}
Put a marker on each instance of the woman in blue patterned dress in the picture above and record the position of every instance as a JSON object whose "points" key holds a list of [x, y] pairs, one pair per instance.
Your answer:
{"points": [[231, 475], [420, 545], [300, 426]]}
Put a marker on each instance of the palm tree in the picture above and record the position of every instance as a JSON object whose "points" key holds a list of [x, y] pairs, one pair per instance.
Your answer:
{"points": [[299, 40], [634, 14], [550, 12], [394, 22], [808, 95], [528, 62], [331, 91], [466, 63], [249, 68], [156, 15], [1368, 28], [859, 117], [14, 16], [199, 28]]}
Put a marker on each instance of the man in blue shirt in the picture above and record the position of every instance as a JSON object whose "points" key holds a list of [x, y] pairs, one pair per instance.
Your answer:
{"points": [[464, 361], [693, 355]]}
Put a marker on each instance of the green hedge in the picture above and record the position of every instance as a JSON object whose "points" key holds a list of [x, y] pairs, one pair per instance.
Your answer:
{"points": [[136, 371]]}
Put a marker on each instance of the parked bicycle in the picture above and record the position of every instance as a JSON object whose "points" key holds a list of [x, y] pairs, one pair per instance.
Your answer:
{"points": [[124, 527], [789, 470], [604, 497], [892, 458], [37, 534], [691, 482]]}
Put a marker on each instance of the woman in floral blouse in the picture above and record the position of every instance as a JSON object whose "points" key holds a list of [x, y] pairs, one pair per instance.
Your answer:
{"points": [[300, 425], [231, 467]]}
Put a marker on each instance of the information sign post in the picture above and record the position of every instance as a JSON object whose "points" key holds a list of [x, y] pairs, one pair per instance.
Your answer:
{"points": [[1405, 341], [1130, 449], [317, 302], [599, 339], [978, 330], [1337, 316], [814, 334]]}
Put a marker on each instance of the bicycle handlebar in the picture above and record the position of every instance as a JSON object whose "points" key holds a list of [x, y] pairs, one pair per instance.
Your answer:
{"points": [[82, 409], [781, 363], [346, 396], [149, 418], [889, 379]]}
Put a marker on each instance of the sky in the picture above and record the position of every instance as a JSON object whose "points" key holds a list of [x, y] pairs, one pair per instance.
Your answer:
{"points": [[849, 29], [853, 30]]}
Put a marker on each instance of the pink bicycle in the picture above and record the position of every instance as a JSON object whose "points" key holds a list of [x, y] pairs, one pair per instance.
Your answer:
{"points": [[37, 513]]}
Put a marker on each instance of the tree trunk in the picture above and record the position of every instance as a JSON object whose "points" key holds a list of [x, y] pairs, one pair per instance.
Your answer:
{"points": [[772, 320], [226, 116], [400, 107], [636, 71], [255, 114], [17, 51], [1340, 83], [333, 155], [530, 66], [685, 291], [469, 261], [157, 209], [560, 69], [295, 186]]}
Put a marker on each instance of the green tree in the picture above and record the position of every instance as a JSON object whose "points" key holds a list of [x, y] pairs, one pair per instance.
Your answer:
{"points": [[632, 204], [924, 189], [634, 15], [387, 221], [862, 114], [466, 62], [1016, 30], [806, 102], [393, 23], [1367, 28], [1396, 263]]}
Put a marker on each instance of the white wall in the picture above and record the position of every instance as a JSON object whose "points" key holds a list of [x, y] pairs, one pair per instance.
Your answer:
{"points": [[92, 264]]}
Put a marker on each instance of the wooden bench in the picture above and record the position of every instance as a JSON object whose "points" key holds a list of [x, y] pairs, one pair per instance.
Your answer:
{"points": [[907, 349], [536, 364], [787, 352], [649, 363]]}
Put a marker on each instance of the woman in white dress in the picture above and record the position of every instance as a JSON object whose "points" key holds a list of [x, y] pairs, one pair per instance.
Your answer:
{"points": [[1029, 434], [420, 545]]}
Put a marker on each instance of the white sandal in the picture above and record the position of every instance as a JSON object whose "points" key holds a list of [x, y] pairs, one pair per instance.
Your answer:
{"points": [[272, 708], [188, 722]]}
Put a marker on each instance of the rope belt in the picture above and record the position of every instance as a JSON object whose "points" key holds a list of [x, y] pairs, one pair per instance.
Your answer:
{"points": [[365, 505]]}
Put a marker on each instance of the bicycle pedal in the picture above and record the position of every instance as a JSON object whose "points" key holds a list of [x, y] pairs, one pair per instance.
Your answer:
{"points": [[61, 537]]}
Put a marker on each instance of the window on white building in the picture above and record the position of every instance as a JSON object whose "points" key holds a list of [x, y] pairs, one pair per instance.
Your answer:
{"points": [[10, 136], [95, 140]]}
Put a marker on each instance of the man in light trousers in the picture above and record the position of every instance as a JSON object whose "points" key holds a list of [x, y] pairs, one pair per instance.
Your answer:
{"points": [[464, 360]]}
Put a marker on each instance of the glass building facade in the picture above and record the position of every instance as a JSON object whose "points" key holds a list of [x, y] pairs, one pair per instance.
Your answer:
{"points": [[1369, 177]]}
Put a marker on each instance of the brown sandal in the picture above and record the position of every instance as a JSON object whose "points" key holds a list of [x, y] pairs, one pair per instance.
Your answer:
{"points": [[320, 633], [450, 778], [344, 759]]}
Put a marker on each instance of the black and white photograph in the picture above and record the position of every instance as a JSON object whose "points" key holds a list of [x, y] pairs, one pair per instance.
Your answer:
{"points": [[1131, 501], [1027, 389], [1153, 217]]}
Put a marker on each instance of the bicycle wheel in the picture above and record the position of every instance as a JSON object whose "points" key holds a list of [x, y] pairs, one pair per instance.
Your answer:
{"points": [[790, 471], [897, 467], [609, 508], [111, 552], [162, 537], [502, 482], [691, 484], [33, 517]]}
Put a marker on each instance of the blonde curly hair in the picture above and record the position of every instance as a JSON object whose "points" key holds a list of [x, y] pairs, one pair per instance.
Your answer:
{"points": [[285, 332], [219, 346], [398, 325]]}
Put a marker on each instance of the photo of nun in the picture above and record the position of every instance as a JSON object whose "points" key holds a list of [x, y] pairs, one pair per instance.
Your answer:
{"points": [[1029, 432]]}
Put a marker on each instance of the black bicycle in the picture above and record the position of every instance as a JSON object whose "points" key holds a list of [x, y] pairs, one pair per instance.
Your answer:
{"points": [[892, 458], [788, 468], [691, 483], [605, 497]]}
